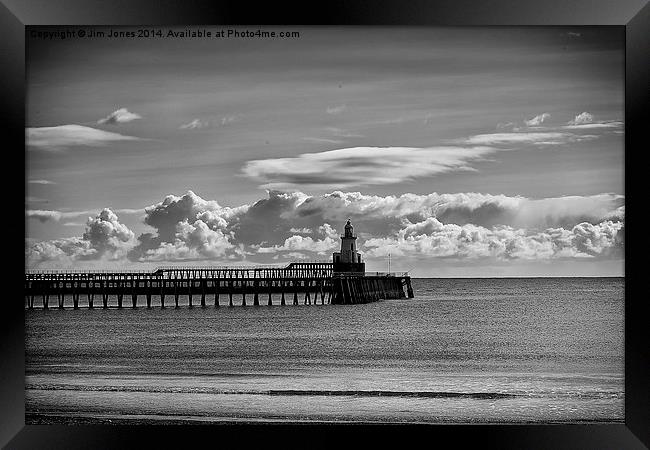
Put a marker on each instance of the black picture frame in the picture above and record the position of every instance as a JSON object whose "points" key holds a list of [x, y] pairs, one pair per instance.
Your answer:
{"points": [[634, 15]]}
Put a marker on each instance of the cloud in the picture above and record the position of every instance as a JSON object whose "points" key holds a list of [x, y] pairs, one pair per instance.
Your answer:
{"points": [[104, 238], [42, 215], [106, 234], [121, 115], [537, 120], [336, 109], [193, 241], [361, 166], [461, 225], [322, 140], [432, 238], [300, 230], [340, 132], [596, 125], [230, 119], [582, 119], [41, 182], [585, 121], [378, 215], [45, 215], [54, 138], [527, 138], [300, 243], [186, 227], [194, 125], [130, 210], [31, 199]]}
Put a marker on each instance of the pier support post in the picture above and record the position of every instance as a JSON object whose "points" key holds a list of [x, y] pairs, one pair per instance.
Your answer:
{"points": [[256, 299], [148, 293], [162, 294], [269, 283], [307, 296], [295, 292], [282, 302]]}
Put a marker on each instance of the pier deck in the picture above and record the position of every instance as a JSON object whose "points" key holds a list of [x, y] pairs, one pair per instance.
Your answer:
{"points": [[316, 281]]}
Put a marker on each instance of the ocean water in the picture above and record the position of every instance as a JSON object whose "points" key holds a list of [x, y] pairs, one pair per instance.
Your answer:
{"points": [[544, 350]]}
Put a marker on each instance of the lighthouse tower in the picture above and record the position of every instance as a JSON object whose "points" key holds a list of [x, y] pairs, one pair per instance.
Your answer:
{"points": [[348, 259]]}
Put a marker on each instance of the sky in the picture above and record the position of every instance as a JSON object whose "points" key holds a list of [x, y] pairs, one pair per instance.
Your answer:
{"points": [[459, 152]]}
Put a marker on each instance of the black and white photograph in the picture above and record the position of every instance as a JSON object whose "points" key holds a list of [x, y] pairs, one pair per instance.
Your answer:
{"points": [[324, 225]]}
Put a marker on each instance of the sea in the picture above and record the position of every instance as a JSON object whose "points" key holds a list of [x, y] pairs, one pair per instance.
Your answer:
{"points": [[515, 350]]}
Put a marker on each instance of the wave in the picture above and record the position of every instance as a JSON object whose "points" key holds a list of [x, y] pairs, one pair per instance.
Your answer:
{"points": [[325, 393]]}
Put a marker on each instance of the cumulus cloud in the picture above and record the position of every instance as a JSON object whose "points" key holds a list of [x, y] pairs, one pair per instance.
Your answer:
{"points": [[582, 119], [193, 241], [194, 125], [361, 166], [54, 138], [300, 243], [585, 121], [104, 238], [461, 225], [279, 222], [300, 230], [187, 227], [107, 235], [432, 238], [537, 120], [121, 115]]}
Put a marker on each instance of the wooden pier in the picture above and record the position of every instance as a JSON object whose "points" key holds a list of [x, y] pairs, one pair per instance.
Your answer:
{"points": [[315, 281]]}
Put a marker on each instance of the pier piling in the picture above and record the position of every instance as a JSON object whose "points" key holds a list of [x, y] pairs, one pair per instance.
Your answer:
{"points": [[310, 279]]}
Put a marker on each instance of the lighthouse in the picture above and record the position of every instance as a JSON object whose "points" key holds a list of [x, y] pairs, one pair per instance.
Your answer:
{"points": [[348, 259]]}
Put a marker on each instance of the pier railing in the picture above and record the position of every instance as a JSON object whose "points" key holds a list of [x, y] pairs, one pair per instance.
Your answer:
{"points": [[371, 274], [314, 279]]}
